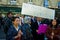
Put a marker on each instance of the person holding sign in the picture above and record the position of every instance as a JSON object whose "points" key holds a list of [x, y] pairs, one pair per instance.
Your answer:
{"points": [[35, 29]]}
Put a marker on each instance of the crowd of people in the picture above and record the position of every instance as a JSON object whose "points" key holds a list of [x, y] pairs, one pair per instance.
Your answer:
{"points": [[17, 27]]}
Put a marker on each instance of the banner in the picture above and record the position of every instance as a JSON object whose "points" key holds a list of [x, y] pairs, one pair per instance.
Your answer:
{"points": [[38, 11]]}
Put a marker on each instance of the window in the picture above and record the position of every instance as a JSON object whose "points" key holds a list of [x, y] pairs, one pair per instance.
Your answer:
{"points": [[13, 2], [30, 0], [58, 4], [45, 3]]}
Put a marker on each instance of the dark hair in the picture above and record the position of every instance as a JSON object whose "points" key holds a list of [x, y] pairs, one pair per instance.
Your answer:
{"points": [[55, 25], [13, 18], [9, 13]]}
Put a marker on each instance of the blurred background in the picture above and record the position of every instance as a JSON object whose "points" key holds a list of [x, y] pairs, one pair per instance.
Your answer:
{"points": [[15, 6]]}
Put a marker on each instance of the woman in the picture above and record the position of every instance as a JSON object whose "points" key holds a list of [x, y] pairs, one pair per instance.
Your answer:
{"points": [[27, 35], [53, 32], [14, 32]]}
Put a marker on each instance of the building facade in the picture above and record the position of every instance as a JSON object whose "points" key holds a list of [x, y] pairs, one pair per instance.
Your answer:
{"points": [[16, 5]]}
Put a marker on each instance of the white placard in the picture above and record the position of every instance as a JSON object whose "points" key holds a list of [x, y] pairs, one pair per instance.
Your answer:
{"points": [[33, 10]]}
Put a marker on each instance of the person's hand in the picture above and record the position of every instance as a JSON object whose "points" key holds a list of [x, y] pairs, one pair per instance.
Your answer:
{"points": [[52, 33], [36, 30], [51, 37], [16, 37], [19, 33]]}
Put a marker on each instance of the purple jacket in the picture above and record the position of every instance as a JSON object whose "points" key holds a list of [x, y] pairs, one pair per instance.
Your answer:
{"points": [[42, 28]]}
